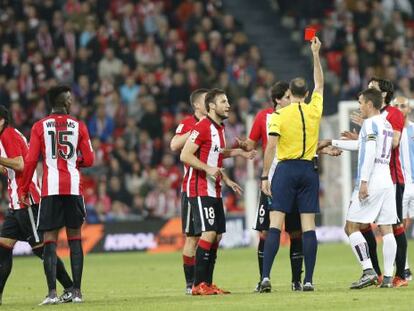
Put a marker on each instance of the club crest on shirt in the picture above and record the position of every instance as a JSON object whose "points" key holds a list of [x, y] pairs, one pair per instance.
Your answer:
{"points": [[261, 220], [211, 221], [194, 135]]}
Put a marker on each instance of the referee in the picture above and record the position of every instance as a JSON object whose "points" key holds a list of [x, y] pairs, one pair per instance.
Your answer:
{"points": [[294, 132]]}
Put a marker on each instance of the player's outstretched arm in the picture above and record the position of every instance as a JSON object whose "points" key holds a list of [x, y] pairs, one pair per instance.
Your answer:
{"points": [[238, 152], [246, 144], [317, 67]]}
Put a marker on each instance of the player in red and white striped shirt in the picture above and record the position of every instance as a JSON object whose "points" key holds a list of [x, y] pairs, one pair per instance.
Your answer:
{"points": [[204, 152], [19, 224], [177, 143], [64, 144]]}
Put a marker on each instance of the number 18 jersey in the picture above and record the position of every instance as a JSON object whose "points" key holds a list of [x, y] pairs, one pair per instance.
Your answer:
{"points": [[64, 144], [376, 129]]}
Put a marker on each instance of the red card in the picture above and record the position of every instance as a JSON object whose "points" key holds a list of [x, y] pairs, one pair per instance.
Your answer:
{"points": [[309, 33]]}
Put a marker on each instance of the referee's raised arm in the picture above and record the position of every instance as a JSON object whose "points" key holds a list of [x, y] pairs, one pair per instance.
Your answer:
{"points": [[317, 68]]}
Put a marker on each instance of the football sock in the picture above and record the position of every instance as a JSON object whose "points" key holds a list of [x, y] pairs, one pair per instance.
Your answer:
{"points": [[401, 256], [310, 248], [389, 250], [6, 263], [360, 249], [260, 249], [188, 265], [212, 263], [49, 264], [296, 258], [271, 248], [202, 261], [407, 266], [372, 245], [61, 274], [76, 261]]}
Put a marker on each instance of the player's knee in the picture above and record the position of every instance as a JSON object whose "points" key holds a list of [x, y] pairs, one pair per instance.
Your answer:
{"points": [[191, 242], [209, 236], [7, 243]]}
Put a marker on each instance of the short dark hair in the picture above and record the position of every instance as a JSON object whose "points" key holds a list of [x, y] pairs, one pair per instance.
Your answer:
{"points": [[54, 96], [278, 90], [298, 87], [385, 86], [211, 97], [5, 114], [374, 96], [195, 95]]}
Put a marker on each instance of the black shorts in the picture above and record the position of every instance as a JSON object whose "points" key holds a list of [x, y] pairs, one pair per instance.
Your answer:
{"points": [[208, 214], [21, 225], [292, 220], [187, 216], [295, 184], [57, 211], [399, 194]]}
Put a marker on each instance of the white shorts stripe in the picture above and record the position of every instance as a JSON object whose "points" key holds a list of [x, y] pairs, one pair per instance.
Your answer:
{"points": [[200, 210], [187, 225]]}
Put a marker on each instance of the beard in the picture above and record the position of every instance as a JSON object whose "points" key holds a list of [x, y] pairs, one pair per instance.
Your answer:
{"points": [[222, 116]]}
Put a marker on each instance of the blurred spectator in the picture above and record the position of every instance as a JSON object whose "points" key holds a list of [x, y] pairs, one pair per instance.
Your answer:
{"points": [[101, 125]]}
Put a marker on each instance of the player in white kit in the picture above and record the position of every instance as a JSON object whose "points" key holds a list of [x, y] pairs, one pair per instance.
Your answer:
{"points": [[407, 163], [373, 197]]}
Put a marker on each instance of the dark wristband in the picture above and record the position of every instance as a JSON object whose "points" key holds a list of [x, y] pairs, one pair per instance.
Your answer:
{"points": [[264, 178]]}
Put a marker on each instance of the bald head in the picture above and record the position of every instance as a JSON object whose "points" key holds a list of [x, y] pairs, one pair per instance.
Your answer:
{"points": [[403, 104]]}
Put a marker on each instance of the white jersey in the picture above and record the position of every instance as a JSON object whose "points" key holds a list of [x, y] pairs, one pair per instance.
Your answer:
{"points": [[407, 153], [373, 163]]}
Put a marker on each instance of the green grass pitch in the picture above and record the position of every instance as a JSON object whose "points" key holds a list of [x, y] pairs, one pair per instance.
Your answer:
{"points": [[138, 281]]}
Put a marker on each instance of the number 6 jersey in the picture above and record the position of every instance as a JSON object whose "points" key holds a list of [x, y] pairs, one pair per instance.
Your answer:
{"points": [[65, 146]]}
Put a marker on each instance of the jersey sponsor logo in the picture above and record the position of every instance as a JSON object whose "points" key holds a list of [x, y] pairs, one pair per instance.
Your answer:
{"points": [[217, 148], [179, 129], [194, 135]]}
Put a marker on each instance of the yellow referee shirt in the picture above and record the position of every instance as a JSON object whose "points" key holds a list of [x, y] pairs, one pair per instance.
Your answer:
{"points": [[298, 128]]}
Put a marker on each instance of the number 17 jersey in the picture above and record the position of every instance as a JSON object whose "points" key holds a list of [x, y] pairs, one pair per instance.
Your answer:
{"points": [[377, 129], [64, 144]]}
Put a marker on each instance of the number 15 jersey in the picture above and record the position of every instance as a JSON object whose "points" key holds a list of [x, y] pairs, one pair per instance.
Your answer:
{"points": [[64, 144]]}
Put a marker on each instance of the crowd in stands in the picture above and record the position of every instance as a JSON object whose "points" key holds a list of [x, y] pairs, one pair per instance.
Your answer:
{"points": [[132, 66], [361, 39]]}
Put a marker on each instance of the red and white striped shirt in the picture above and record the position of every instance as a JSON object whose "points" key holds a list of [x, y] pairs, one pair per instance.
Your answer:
{"points": [[13, 144], [209, 136], [59, 138], [185, 126], [259, 129]]}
